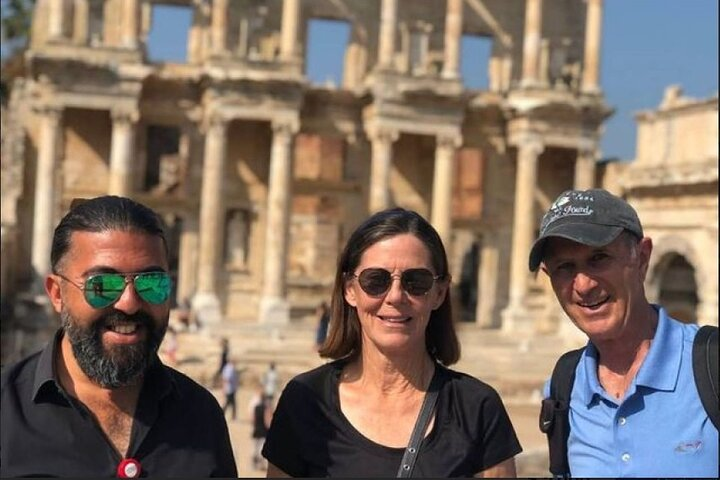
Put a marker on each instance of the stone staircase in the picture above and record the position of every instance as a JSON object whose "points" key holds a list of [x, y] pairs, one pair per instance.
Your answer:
{"points": [[516, 366]]}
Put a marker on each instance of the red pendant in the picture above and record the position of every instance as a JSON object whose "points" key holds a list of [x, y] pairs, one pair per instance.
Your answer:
{"points": [[129, 468]]}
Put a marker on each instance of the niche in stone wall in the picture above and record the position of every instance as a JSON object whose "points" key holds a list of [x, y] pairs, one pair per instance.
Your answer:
{"points": [[163, 169], [678, 290], [237, 238]]}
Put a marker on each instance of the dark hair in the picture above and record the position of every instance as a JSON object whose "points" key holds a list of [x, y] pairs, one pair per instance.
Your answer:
{"points": [[101, 214], [344, 339]]}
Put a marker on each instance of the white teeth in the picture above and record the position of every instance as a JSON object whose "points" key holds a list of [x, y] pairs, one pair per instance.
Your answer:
{"points": [[396, 319], [124, 329]]}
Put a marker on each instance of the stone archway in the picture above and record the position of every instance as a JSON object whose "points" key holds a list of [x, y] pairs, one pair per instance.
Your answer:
{"points": [[678, 290]]}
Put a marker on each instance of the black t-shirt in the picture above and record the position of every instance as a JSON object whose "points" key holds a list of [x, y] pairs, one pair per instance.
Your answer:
{"points": [[310, 437], [178, 431]]}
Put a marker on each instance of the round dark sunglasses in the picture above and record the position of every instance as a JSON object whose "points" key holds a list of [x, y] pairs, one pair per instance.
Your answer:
{"points": [[377, 281], [103, 289]]}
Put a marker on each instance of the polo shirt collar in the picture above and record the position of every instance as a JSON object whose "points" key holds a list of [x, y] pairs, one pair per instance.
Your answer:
{"points": [[157, 379], [660, 369]]}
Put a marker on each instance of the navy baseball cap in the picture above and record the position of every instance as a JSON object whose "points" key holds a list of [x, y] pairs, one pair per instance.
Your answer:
{"points": [[592, 217]]}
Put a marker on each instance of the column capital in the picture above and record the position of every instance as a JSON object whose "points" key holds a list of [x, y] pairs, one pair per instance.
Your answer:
{"points": [[124, 115], [532, 143], [446, 140], [382, 134], [215, 121], [52, 111], [285, 126]]}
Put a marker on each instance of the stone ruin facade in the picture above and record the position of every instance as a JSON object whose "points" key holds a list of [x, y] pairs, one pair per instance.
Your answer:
{"points": [[261, 175]]}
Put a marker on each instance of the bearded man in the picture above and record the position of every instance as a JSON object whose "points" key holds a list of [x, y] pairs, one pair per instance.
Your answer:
{"points": [[97, 401]]}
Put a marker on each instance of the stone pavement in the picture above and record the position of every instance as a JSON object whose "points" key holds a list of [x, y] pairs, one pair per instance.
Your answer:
{"points": [[515, 367]]}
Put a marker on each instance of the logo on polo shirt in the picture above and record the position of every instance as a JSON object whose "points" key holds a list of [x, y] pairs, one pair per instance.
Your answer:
{"points": [[689, 447]]}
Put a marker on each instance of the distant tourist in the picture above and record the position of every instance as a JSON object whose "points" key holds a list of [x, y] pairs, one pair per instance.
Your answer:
{"points": [[230, 384], [270, 380], [323, 313]]}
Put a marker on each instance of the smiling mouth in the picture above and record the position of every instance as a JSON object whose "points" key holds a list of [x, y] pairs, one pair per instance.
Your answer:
{"points": [[594, 304], [395, 319], [124, 328]]}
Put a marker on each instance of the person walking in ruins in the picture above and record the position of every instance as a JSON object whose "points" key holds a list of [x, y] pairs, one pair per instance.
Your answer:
{"points": [[634, 408], [323, 313], [97, 401], [388, 404], [230, 384]]}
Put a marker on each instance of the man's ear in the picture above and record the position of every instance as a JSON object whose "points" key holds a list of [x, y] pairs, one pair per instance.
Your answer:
{"points": [[644, 250], [52, 287]]}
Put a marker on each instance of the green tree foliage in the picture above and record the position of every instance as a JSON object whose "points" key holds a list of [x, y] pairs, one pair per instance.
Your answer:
{"points": [[16, 17]]}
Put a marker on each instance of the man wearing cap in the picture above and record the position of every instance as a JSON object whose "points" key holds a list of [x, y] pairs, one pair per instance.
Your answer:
{"points": [[97, 401], [634, 407]]}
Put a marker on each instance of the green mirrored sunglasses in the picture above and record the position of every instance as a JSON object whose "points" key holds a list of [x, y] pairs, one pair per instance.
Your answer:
{"points": [[104, 289]]}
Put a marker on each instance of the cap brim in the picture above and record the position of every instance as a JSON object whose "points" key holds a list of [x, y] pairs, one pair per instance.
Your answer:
{"points": [[585, 233]]}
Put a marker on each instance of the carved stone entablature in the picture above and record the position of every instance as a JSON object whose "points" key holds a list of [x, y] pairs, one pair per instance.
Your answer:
{"points": [[682, 174]]}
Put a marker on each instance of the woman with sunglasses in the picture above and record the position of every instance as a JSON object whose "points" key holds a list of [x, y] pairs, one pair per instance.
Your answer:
{"points": [[391, 340]]}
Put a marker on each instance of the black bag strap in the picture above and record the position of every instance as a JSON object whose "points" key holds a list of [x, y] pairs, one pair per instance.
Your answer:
{"points": [[554, 421], [705, 370], [426, 411]]}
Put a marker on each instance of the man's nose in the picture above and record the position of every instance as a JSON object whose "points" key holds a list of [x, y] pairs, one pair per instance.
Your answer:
{"points": [[584, 283], [129, 302]]}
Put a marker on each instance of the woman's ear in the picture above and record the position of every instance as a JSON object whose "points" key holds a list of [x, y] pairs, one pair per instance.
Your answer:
{"points": [[349, 293], [441, 290]]}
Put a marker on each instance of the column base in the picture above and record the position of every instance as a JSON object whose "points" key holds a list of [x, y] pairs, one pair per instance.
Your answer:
{"points": [[274, 311], [207, 309], [517, 319]]}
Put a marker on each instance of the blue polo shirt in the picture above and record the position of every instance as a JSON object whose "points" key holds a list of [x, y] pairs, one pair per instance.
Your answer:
{"points": [[660, 428]]}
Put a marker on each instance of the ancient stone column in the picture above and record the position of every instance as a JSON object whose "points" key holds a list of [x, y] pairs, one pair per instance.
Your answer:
{"points": [[121, 153], [82, 17], [593, 32], [529, 150], [441, 215], [288, 39], [206, 302], [56, 19], [585, 169], [218, 26], [531, 41], [380, 166], [274, 307], [453, 37], [386, 43], [131, 14], [43, 221]]}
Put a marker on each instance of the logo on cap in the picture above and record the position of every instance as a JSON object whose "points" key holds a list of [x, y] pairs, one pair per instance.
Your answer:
{"points": [[566, 205]]}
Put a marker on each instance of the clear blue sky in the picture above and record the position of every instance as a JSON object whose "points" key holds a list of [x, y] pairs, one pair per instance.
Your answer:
{"points": [[647, 45]]}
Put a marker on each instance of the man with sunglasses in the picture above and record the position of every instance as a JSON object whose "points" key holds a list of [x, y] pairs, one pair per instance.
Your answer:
{"points": [[97, 401]]}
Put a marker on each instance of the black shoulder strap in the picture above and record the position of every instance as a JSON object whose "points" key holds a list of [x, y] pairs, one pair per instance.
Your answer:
{"points": [[705, 370], [426, 411], [554, 420]]}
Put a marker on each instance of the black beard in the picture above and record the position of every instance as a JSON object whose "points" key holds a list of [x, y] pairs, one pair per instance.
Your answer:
{"points": [[121, 365]]}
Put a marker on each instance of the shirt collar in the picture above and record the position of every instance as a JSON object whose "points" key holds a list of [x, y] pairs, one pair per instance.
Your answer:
{"points": [[157, 378], [45, 378], [659, 370]]}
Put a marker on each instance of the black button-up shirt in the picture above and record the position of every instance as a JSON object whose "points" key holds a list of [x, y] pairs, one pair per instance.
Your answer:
{"points": [[179, 429]]}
